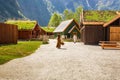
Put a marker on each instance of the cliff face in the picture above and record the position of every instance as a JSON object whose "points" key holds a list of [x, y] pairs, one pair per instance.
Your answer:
{"points": [[35, 10], [9, 9]]}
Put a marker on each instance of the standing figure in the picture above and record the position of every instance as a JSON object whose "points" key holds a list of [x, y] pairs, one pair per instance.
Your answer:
{"points": [[75, 38], [58, 42], [62, 39]]}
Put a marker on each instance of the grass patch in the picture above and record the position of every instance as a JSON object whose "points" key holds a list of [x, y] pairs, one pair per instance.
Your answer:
{"points": [[22, 49]]}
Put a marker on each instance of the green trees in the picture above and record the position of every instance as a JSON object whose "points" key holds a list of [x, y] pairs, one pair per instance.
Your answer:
{"points": [[77, 13], [55, 20], [68, 14]]}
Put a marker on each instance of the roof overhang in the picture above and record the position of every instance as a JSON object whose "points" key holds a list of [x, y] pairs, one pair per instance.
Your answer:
{"points": [[93, 23], [108, 23]]}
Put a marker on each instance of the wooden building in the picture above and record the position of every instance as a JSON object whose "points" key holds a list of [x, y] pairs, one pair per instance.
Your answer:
{"points": [[93, 32], [8, 34], [68, 28], [112, 29], [28, 29]]}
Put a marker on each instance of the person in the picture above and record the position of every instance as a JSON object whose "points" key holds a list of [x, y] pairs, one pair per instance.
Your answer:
{"points": [[74, 38], [62, 39], [58, 42]]}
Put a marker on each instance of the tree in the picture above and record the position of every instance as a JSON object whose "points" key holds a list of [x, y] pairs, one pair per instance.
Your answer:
{"points": [[77, 13], [55, 20], [68, 14]]}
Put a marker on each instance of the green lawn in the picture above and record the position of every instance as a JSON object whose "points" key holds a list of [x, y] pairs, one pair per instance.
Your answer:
{"points": [[23, 48]]}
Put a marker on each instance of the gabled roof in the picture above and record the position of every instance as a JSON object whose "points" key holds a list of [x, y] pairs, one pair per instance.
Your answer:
{"points": [[106, 24], [63, 26], [93, 23], [73, 29], [22, 24]]}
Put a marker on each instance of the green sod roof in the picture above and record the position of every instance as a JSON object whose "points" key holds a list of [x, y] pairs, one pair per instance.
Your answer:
{"points": [[50, 29], [24, 25], [98, 16]]}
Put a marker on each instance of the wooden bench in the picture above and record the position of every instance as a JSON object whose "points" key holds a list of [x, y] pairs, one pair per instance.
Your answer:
{"points": [[110, 44]]}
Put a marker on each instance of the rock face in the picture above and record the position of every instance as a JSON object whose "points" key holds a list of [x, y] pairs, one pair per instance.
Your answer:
{"points": [[9, 9], [41, 10]]}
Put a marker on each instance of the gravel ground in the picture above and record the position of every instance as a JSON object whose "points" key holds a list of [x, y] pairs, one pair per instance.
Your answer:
{"points": [[71, 62]]}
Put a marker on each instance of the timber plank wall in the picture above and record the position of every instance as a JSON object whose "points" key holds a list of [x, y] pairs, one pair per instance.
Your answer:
{"points": [[8, 34]]}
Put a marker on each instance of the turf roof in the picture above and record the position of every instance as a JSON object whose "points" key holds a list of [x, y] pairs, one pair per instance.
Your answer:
{"points": [[98, 16], [24, 25], [48, 29]]}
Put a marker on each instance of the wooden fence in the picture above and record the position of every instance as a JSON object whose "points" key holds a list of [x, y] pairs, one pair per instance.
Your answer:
{"points": [[8, 33]]}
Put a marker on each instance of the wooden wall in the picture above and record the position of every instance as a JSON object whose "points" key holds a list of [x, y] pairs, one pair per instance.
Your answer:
{"points": [[92, 34], [107, 29], [8, 33], [37, 31], [24, 34]]}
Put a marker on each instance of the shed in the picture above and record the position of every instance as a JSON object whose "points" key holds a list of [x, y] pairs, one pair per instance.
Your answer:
{"points": [[68, 28], [92, 32], [28, 29], [112, 29], [8, 34]]}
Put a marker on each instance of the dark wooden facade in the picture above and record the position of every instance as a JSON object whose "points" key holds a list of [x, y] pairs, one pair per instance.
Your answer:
{"points": [[8, 34], [92, 33], [36, 32], [24, 34]]}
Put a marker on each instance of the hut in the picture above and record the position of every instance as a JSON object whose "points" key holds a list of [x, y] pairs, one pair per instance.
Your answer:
{"points": [[8, 34], [112, 29], [28, 29], [49, 31], [68, 28], [93, 32]]}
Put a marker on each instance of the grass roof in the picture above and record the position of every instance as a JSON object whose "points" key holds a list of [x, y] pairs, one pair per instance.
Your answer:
{"points": [[50, 29], [25, 25], [99, 16]]}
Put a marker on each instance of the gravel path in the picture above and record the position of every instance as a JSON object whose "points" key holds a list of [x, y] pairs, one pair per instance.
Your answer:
{"points": [[72, 62]]}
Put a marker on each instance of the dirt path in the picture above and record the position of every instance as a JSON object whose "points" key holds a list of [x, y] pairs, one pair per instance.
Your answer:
{"points": [[72, 62]]}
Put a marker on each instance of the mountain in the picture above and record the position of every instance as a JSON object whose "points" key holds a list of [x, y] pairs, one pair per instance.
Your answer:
{"points": [[87, 4], [41, 10], [9, 9], [35, 10]]}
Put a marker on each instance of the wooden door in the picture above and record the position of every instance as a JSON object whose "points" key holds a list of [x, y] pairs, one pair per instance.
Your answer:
{"points": [[114, 33]]}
